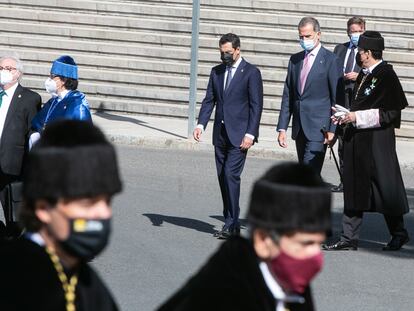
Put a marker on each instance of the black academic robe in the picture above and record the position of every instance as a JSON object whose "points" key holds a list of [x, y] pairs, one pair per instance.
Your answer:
{"points": [[372, 177], [231, 280], [29, 282]]}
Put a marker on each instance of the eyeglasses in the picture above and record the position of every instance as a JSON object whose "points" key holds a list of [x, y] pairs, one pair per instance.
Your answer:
{"points": [[8, 68]]}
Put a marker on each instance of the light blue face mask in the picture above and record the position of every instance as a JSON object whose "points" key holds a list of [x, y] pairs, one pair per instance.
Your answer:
{"points": [[307, 45], [355, 38]]}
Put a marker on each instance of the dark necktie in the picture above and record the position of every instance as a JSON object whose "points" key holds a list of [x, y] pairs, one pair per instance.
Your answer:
{"points": [[2, 93], [350, 62], [228, 79]]}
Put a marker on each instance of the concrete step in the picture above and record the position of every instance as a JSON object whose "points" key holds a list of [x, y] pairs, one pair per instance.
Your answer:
{"points": [[184, 27]]}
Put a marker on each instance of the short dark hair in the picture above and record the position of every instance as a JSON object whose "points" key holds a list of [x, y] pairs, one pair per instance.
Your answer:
{"points": [[310, 20], [376, 54], [230, 37], [27, 216], [69, 83], [355, 20]]}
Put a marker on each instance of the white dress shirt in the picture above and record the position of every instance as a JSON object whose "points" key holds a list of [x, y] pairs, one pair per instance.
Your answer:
{"points": [[7, 98], [233, 71]]}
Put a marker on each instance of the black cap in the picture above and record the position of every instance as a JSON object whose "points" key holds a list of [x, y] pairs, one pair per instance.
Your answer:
{"points": [[371, 40], [290, 197], [73, 159]]}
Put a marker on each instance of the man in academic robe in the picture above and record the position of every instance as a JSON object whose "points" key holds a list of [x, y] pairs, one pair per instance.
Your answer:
{"points": [[70, 178], [372, 176], [271, 267]]}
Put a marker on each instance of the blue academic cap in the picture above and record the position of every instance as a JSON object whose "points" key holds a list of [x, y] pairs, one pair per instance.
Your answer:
{"points": [[65, 66]]}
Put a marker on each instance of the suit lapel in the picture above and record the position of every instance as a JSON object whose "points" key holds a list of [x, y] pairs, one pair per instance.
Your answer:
{"points": [[14, 104], [319, 61], [220, 78], [237, 77]]}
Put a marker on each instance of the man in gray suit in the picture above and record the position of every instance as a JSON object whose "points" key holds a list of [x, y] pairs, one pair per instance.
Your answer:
{"points": [[313, 85], [346, 53]]}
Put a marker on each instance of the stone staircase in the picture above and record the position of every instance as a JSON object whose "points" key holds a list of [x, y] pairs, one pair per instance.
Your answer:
{"points": [[134, 56]]}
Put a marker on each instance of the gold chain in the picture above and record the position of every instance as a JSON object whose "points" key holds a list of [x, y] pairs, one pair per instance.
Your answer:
{"points": [[68, 287], [359, 86]]}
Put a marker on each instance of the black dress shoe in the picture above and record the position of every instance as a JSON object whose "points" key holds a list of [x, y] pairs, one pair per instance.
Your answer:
{"points": [[224, 234], [340, 246], [339, 188], [396, 243]]}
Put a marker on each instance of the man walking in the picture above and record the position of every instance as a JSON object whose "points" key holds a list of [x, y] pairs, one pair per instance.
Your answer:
{"points": [[311, 88], [346, 53], [235, 88], [372, 176]]}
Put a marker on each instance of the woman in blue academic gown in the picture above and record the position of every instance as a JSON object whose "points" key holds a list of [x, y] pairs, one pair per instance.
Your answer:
{"points": [[66, 102]]}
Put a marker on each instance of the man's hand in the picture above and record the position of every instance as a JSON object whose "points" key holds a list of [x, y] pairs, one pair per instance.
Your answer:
{"points": [[197, 133], [281, 139], [329, 138], [246, 143], [351, 76], [348, 118]]}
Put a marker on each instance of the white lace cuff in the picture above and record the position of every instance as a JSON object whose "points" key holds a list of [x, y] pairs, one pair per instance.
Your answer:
{"points": [[367, 119]]}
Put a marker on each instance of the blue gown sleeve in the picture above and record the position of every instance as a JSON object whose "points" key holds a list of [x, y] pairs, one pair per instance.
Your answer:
{"points": [[39, 119], [79, 111]]}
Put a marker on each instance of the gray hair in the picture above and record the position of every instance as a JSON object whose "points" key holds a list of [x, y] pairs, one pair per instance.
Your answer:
{"points": [[310, 20], [15, 57]]}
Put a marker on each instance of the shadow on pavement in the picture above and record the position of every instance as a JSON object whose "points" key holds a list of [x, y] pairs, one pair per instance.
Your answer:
{"points": [[114, 117], [198, 225]]}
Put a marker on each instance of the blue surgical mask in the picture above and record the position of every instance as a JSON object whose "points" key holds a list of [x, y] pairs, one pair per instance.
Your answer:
{"points": [[355, 38], [307, 44]]}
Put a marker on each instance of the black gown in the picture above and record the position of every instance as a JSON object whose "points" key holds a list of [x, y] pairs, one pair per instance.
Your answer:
{"points": [[231, 280], [29, 282], [372, 177]]}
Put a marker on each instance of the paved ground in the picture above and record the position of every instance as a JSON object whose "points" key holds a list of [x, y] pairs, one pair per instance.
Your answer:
{"points": [[166, 215], [169, 133]]}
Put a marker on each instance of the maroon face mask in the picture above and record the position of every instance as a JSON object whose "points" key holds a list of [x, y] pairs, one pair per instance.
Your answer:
{"points": [[295, 274]]}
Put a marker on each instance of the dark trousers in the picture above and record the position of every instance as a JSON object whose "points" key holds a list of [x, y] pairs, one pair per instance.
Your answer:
{"points": [[229, 163], [4, 180], [311, 153], [352, 221]]}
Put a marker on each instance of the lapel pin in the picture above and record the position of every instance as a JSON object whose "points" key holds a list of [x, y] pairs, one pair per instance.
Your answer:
{"points": [[20, 96], [242, 70]]}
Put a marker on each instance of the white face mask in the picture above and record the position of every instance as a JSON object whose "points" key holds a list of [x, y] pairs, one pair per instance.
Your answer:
{"points": [[51, 86], [5, 77]]}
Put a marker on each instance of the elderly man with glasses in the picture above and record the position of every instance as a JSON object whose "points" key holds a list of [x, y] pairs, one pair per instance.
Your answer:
{"points": [[18, 106]]}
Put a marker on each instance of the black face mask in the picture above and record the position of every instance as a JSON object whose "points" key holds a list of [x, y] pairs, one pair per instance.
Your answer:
{"points": [[227, 59], [358, 60], [87, 237]]}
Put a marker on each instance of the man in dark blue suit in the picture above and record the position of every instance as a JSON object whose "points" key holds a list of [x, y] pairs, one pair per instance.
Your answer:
{"points": [[313, 85], [236, 89]]}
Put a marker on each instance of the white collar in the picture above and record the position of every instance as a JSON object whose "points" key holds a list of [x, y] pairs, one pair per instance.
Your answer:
{"points": [[315, 51], [236, 64], [10, 91], [63, 94], [371, 69], [271, 283], [35, 237]]}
